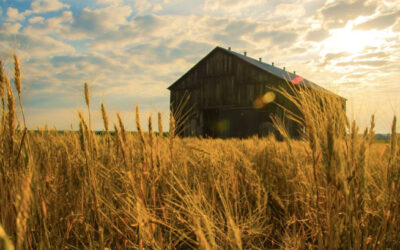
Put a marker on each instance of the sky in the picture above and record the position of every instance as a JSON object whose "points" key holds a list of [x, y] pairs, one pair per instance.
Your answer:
{"points": [[130, 51]]}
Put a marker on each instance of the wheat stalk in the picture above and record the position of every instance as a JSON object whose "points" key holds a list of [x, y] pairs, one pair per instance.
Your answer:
{"points": [[84, 132], [393, 139], [82, 137], [23, 207], [11, 114], [87, 97], [122, 127], [5, 242], [160, 127], [17, 74], [17, 82], [171, 132], [120, 143], [151, 141], [151, 132], [105, 117], [139, 127], [87, 100], [371, 134]]}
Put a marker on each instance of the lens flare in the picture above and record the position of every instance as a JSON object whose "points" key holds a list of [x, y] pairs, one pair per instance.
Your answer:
{"points": [[223, 126], [297, 80], [262, 101], [268, 97], [258, 103]]}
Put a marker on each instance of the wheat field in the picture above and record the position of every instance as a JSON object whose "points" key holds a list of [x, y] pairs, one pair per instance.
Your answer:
{"points": [[335, 188]]}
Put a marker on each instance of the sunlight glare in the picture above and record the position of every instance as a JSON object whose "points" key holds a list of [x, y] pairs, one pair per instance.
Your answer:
{"points": [[352, 41]]}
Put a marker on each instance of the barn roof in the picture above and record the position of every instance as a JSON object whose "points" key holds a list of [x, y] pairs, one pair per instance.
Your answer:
{"points": [[278, 72]]}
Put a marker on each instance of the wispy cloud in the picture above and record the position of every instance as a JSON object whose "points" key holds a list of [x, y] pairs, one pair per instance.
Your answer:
{"points": [[92, 22], [41, 6], [230, 5], [338, 13], [317, 35], [380, 22]]}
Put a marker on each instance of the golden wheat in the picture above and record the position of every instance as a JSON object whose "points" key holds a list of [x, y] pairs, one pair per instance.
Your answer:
{"points": [[17, 79], [327, 190], [105, 117], [160, 126], [139, 126]]}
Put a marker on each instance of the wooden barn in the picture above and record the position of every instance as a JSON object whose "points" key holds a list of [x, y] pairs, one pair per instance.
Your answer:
{"points": [[225, 93]]}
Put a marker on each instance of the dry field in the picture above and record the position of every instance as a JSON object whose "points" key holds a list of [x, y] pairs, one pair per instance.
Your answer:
{"points": [[331, 190]]}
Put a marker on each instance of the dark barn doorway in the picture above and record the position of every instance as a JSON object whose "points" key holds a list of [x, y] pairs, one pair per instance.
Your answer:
{"points": [[210, 118], [225, 123]]}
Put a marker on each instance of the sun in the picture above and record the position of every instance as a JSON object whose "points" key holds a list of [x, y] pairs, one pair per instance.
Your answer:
{"points": [[351, 40]]}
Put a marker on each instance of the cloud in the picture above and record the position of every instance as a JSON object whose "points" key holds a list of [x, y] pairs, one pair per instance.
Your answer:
{"points": [[338, 13], [249, 9], [370, 63], [396, 27], [31, 46], [41, 6], [154, 30], [293, 10], [58, 25], [234, 32], [14, 15], [212, 5], [317, 35], [83, 24], [10, 28], [172, 30], [334, 57], [277, 38], [350, 84], [143, 7], [36, 19], [380, 22], [311, 7], [380, 54], [100, 20], [240, 27], [110, 2]]}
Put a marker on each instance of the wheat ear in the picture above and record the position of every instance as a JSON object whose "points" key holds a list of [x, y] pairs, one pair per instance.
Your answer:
{"points": [[105, 117], [160, 127], [11, 114], [87, 100], [17, 82], [139, 127]]}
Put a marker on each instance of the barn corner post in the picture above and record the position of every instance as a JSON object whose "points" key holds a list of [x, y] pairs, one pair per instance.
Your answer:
{"points": [[227, 94]]}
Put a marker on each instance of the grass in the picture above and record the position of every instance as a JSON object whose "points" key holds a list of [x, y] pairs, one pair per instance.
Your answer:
{"points": [[330, 190]]}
